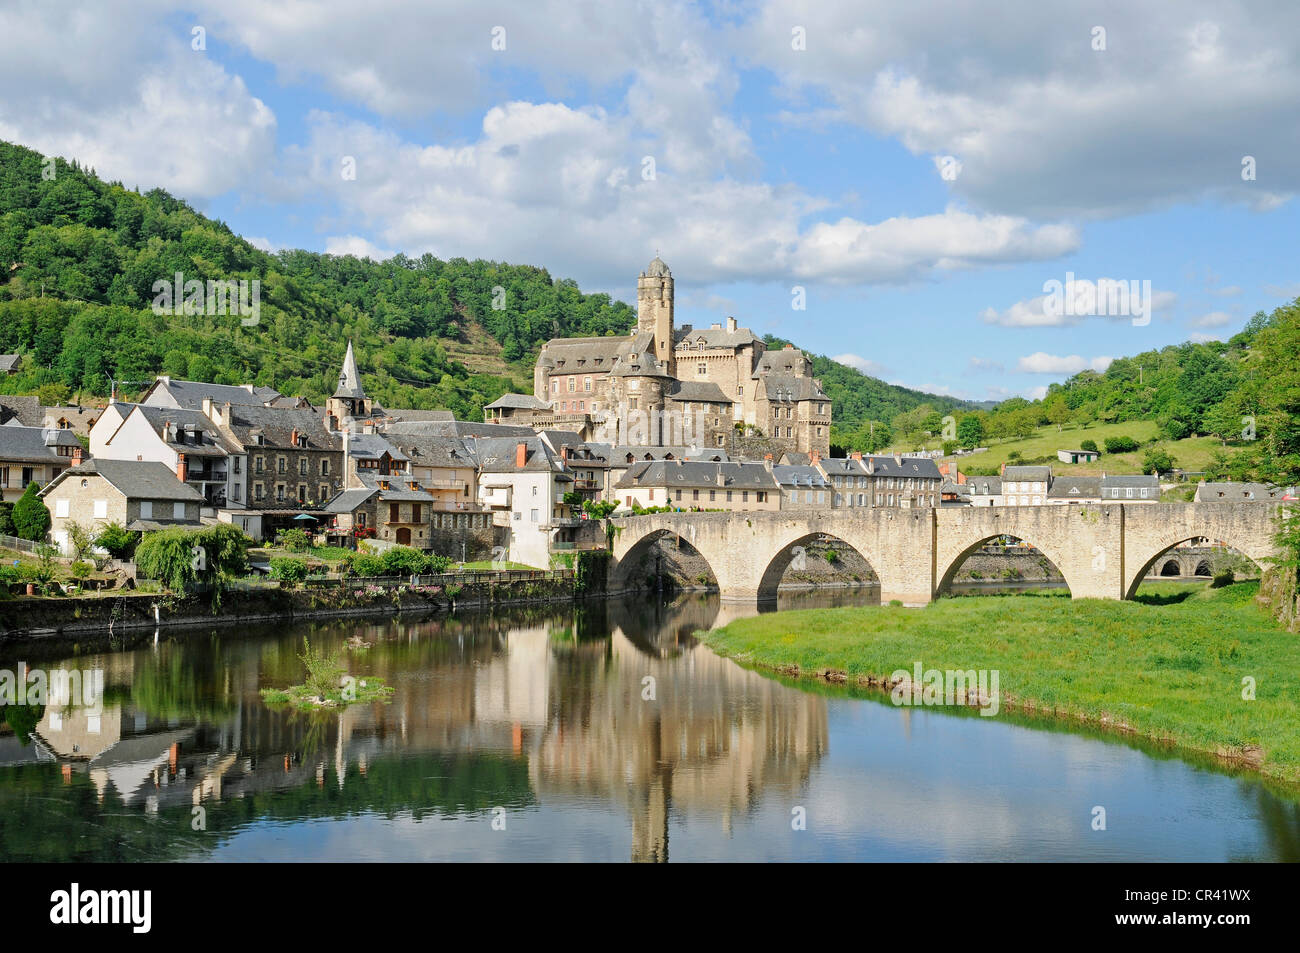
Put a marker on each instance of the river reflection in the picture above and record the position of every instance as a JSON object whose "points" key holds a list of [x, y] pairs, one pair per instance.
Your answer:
{"points": [[597, 732]]}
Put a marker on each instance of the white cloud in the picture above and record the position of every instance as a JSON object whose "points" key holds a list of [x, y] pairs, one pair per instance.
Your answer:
{"points": [[259, 241], [126, 95], [1199, 337], [1215, 319], [1044, 126], [1226, 292], [1042, 363], [984, 364], [357, 246], [1034, 312], [865, 365], [1036, 393]]}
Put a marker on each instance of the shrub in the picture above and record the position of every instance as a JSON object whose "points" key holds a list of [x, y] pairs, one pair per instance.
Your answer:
{"points": [[365, 564], [1157, 460], [1089, 445], [438, 564], [403, 561], [31, 517], [117, 541], [180, 557], [288, 569], [1121, 444], [80, 569], [1221, 579], [949, 447], [294, 540], [7, 519]]}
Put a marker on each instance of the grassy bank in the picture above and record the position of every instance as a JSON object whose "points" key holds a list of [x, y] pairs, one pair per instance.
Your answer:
{"points": [[1167, 667]]}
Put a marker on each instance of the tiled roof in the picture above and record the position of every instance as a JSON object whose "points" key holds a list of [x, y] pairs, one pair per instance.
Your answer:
{"points": [[1075, 487], [1041, 474], [799, 475], [189, 394], [518, 402], [35, 444], [277, 426], [734, 476], [202, 437], [26, 410], [699, 392]]}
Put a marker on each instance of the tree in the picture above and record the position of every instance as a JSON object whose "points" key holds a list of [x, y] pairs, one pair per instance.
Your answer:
{"points": [[31, 517], [1156, 460], [182, 558], [970, 431], [117, 541], [1058, 412], [80, 539], [1089, 445], [7, 519]]}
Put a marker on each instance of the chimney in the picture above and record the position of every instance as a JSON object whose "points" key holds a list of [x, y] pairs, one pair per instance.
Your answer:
{"points": [[521, 455], [564, 454], [722, 477], [207, 407], [898, 459], [182, 468], [815, 457], [731, 323], [871, 464], [767, 461], [788, 347], [76, 456], [225, 413]]}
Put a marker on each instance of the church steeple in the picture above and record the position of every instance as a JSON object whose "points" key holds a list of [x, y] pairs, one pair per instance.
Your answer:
{"points": [[349, 378]]}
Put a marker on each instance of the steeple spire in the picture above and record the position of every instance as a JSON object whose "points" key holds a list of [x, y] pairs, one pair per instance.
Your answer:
{"points": [[349, 378]]}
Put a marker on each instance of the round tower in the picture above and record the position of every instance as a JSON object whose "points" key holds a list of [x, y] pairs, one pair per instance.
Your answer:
{"points": [[654, 311]]}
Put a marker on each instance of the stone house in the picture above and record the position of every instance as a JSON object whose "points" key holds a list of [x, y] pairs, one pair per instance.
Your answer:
{"points": [[1069, 489], [985, 490], [1025, 485], [890, 481], [522, 482], [140, 495], [1228, 492], [803, 487], [1142, 488], [33, 455]]}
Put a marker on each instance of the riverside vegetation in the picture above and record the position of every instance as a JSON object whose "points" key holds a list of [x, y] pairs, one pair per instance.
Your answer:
{"points": [[1203, 668]]}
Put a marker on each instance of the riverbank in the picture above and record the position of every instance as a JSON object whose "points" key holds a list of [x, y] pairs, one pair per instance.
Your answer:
{"points": [[1169, 667], [52, 617]]}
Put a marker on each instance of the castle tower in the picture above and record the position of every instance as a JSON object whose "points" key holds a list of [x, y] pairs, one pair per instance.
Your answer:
{"points": [[654, 311]]}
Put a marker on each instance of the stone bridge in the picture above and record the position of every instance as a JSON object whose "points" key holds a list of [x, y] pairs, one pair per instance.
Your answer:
{"points": [[1103, 551]]}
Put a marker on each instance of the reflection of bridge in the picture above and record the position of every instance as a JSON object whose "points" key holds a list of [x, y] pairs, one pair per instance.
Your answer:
{"points": [[1103, 551]]}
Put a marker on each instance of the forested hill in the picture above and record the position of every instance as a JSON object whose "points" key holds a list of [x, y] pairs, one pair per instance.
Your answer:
{"points": [[80, 257]]}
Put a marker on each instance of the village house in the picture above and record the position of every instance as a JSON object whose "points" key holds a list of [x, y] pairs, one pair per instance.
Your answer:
{"points": [[1069, 489], [888, 481], [736, 487], [803, 487], [144, 496], [33, 455], [21, 411], [185, 441], [985, 490], [523, 483], [1025, 486], [1142, 488]]}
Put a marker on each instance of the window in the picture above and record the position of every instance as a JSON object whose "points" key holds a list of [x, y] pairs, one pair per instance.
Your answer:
{"points": [[702, 369], [762, 496], [258, 464], [279, 492], [394, 511], [281, 465], [324, 467], [260, 492], [324, 492], [1128, 492], [586, 384], [178, 511], [146, 509], [27, 475], [713, 495], [695, 495], [60, 507], [533, 515], [555, 386], [302, 467], [235, 493], [744, 496], [101, 509], [415, 513], [236, 463], [728, 496], [573, 384]]}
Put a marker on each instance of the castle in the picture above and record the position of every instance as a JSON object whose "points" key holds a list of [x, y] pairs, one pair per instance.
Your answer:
{"points": [[668, 386]]}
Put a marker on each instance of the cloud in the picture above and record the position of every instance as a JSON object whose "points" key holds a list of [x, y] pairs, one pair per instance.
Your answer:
{"points": [[1036, 393], [265, 244], [1198, 337], [869, 367], [1215, 319], [1227, 291], [127, 96], [357, 246], [1288, 291], [1041, 363], [1044, 125], [984, 364], [1088, 303]]}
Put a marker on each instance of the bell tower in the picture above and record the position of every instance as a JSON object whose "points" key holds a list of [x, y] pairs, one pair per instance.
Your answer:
{"points": [[654, 311]]}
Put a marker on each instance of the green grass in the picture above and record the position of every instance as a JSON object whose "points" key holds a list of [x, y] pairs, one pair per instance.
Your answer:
{"points": [[1168, 666], [1194, 453]]}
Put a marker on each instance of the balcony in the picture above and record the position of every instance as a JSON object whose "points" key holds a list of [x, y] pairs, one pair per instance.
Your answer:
{"points": [[564, 522]]}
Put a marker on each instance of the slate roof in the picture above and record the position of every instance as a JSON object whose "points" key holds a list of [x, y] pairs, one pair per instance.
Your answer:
{"points": [[1029, 474], [81, 418], [985, 485], [783, 387], [135, 479], [9, 362], [212, 442], [497, 454], [1229, 492], [698, 392], [277, 426], [35, 444], [1118, 480], [189, 394], [713, 337], [735, 476], [432, 451], [804, 475], [372, 446], [399, 487], [1075, 488], [923, 468], [457, 428], [27, 411], [349, 500], [400, 413], [618, 455], [774, 361], [349, 378], [517, 402]]}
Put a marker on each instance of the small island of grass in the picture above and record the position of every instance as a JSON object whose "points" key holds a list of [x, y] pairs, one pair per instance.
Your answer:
{"points": [[328, 685]]}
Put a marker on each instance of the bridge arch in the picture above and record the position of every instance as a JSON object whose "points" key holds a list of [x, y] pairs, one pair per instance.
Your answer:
{"points": [[631, 560], [946, 573], [1199, 565], [794, 547]]}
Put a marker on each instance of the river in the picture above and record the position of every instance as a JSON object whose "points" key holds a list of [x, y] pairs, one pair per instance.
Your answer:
{"points": [[601, 732]]}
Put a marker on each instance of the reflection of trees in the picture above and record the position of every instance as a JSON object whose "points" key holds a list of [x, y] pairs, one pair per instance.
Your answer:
{"points": [[1282, 821]]}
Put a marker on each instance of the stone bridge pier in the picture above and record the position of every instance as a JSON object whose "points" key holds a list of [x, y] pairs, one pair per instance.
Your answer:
{"points": [[1103, 551]]}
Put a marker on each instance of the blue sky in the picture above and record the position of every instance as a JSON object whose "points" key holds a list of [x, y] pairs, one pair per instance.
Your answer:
{"points": [[794, 145]]}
